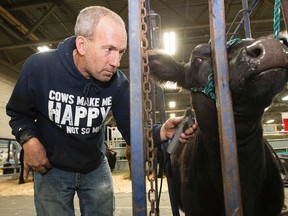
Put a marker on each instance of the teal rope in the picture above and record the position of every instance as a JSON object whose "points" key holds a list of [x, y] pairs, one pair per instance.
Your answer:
{"points": [[209, 89], [276, 25], [230, 42]]}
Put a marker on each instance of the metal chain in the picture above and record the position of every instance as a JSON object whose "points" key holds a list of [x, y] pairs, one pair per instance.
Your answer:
{"points": [[148, 112]]}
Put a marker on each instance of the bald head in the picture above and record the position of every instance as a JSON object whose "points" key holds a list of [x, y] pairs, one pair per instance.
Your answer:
{"points": [[89, 17]]}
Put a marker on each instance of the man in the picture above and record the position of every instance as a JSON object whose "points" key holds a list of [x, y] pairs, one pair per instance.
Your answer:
{"points": [[58, 108]]}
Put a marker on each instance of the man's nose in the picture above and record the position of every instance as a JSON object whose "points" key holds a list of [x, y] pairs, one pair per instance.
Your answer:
{"points": [[115, 59]]}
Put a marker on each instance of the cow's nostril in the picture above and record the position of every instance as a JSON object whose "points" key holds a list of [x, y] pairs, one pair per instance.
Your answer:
{"points": [[253, 51]]}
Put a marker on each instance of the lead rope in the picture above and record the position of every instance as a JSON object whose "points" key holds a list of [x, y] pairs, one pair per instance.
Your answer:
{"points": [[276, 25], [152, 193]]}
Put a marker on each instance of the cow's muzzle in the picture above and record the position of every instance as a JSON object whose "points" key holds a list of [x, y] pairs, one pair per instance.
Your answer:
{"points": [[268, 54]]}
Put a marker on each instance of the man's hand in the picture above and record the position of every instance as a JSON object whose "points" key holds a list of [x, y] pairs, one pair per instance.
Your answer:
{"points": [[35, 157], [168, 128]]}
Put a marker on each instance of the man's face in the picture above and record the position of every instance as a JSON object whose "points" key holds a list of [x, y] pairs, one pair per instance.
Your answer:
{"points": [[103, 53]]}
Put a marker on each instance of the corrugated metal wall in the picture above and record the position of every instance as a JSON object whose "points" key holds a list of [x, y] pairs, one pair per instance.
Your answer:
{"points": [[8, 79]]}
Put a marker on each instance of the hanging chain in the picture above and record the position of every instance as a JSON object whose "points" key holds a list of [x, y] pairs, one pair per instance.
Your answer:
{"points": [[148, 112]]}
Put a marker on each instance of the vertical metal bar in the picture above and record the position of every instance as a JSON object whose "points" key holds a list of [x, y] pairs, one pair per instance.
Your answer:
{"points": [[284, 5], [227, 137], [246, 19], [136, 111], [251, 8]]}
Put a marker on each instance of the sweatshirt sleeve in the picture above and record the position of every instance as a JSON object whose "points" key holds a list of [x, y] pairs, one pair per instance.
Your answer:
{"points": [[121, 109], [156, 135], [21, 108]]}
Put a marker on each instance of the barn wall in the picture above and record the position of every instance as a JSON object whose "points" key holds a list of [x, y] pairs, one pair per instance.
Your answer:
{"points": [[8, 79]]}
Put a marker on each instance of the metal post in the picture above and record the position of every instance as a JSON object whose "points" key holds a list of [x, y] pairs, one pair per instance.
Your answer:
{"points": [[246, 14], [250, 10], [136, 111], [284, 5], [227, 137]]}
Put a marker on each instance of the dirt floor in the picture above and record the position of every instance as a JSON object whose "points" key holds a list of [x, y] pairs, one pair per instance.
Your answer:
{"points": [[122, 184], [10, 187]]}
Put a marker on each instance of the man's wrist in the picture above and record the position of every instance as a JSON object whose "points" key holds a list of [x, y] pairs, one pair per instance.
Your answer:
{"points": [[25, 137]]}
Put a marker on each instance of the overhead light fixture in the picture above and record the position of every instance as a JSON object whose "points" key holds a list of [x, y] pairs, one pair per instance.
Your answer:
{"points": [[43, 48], [285, 98], [169, 42], [171, 85], [172, 104], [270, 121], [172, 115]]}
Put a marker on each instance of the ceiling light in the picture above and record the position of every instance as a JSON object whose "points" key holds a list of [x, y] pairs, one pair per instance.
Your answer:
{"points": [[43, 48], [172, 104], [169, 42], [270, 121], [285, 98], [170, 85], [172, 115]]}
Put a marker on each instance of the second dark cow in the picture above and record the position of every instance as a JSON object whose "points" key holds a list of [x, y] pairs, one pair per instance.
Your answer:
{"points": [[258, 71]]}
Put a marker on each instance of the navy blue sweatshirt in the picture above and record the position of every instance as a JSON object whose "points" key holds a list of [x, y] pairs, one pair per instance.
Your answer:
{"points": [[65, 111]]}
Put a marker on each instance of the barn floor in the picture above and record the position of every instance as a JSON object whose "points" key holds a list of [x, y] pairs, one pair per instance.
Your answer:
{"points": [[17, 199]]}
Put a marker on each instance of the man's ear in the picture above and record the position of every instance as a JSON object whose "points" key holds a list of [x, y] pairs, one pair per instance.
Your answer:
{"points": [[81, 44]]}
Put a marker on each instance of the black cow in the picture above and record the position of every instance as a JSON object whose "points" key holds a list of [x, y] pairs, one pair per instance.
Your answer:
{"points": [[258, 70]]}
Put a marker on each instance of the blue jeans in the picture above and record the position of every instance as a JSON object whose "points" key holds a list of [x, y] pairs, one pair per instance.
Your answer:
{"points": [[54, 192]]}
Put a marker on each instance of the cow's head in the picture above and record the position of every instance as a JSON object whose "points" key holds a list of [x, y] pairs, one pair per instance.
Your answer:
{"points": [[258, 70]]}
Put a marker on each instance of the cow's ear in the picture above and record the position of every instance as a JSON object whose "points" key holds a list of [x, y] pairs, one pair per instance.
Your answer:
{"points": [[164, 67]]}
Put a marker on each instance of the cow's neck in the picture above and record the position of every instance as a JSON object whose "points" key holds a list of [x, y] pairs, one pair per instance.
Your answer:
{"points": [[246, 126], [247, 130]]}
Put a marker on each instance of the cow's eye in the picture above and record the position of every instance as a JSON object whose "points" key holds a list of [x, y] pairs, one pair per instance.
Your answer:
{"points": [[198, 60]]}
